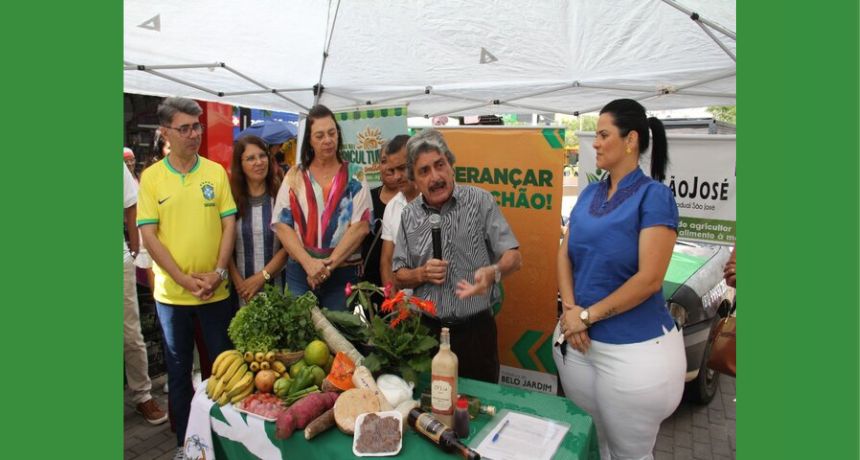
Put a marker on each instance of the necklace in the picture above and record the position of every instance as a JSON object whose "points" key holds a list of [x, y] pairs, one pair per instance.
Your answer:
{"points": [[325, 177]]}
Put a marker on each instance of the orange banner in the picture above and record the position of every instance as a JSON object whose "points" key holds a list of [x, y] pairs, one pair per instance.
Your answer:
{"points": [[522, 168]]}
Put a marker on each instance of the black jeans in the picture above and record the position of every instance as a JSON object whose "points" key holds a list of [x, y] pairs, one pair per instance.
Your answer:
{"points": [[475, 342]]}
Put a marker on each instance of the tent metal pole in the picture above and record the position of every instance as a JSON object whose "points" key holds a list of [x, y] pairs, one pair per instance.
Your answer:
{"points": [[265, 91], [546, 91], [727, 74], [653, 96], [394, 98], [183, 82], [325, 51], [538, 109], [710, 24], [291, 90], [641, 98], [459, 109], [349, 98], [595, 108], [464, 98], [290, 100], [129, 66], [240, 74], [270, 90], [276, 92], [717, 40], [642, 89], [705, 94]]}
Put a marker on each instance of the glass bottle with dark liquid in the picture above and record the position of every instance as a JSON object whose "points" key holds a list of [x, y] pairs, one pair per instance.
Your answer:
{"points": [[428, 426]]}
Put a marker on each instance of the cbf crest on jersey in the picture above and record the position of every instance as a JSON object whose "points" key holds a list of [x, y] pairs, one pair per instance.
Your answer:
{"points": [[208, 192]]}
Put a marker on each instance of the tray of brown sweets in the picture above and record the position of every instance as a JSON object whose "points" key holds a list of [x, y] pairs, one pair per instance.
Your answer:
{"points": [[378, 434]]}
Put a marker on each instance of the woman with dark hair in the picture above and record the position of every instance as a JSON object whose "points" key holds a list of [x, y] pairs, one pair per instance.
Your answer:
{"points": [[258, 257], [621, 357], [322, 214], [160, 149]]}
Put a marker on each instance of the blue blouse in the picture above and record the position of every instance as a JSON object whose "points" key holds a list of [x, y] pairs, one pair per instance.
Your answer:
{"points": [[603, 247]]}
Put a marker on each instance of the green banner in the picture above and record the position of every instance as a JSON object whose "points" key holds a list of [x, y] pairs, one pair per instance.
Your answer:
{"points": [[364, 132]]}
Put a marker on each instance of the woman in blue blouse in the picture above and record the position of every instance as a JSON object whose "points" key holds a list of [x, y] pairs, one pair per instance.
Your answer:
{"points": [[623, 361]]}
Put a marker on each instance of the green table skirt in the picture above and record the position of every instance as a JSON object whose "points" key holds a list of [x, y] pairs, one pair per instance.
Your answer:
{"points": [[579, 443]]}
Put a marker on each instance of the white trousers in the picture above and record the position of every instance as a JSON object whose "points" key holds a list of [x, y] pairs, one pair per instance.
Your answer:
{"points": [[134, 348], [627, 389]]}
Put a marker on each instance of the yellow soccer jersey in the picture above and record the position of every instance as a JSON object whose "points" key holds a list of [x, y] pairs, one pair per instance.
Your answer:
{"points": [[187, 208]]}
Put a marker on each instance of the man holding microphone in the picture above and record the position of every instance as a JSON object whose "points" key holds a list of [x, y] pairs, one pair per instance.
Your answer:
{"points": [[478, 249]]}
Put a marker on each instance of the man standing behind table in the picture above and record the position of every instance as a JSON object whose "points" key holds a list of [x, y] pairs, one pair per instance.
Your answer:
{"points": [[379, 197], [186, 216], [478, 250], [395, 169]]}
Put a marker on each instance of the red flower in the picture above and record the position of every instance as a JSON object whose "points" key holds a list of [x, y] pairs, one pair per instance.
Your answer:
{"points": [[388, 305], [425, 305], [386, 291], [348, 289], [402, 315]]}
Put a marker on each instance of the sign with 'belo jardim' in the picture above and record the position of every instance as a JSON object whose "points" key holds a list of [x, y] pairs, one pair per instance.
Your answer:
{"points": [[701, 175]]}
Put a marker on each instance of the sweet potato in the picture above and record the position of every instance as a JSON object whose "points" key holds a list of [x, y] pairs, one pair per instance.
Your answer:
{"points": [[301, 413], [320, 424], [311, 407], [285, 425]]}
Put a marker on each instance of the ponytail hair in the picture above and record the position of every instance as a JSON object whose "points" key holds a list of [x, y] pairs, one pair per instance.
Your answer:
{"points": [[659, 151], [629, 115]]}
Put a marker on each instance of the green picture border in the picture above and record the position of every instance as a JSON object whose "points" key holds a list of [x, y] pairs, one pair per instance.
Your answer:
{"points": [[797, 221], [797, 393], [63, 131]]}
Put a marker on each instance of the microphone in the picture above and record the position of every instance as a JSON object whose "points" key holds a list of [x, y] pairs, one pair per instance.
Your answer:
{"points": [[436, 233]]}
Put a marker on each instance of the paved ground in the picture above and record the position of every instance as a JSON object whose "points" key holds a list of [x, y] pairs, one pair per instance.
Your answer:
{"points": [[701, 432], [142, 440], [692, 432]]}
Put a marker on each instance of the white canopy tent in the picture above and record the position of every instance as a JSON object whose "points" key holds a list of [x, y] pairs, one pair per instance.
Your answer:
{"points": [[436, 57]]}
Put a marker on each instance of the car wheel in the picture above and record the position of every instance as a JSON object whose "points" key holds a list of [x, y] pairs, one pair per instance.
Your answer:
{"points": [[702, 389]]}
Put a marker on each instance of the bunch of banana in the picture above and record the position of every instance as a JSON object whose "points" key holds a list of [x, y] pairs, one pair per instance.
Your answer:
{"points": [[264, 360], [231, 381]]}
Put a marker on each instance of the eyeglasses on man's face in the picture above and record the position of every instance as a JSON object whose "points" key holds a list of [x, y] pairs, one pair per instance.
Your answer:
{"points": [[185, 130]]}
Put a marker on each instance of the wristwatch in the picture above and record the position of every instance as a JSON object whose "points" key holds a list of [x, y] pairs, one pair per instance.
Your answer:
{"points": [[222, 272], [266, 275], [583, 315], [497, 272]]}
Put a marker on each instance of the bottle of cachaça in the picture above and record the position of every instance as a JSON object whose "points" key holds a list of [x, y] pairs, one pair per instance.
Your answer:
{"points": [[428, 426]]}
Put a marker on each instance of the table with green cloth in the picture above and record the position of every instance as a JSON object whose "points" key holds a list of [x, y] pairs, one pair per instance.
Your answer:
{"points": [[579, 443]]}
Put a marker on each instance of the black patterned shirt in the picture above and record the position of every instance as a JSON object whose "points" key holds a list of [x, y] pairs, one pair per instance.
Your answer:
{"points": [[474, 235]]}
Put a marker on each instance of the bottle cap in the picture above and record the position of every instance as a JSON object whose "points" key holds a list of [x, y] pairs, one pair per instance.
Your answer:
{"points": [[462, 403]]}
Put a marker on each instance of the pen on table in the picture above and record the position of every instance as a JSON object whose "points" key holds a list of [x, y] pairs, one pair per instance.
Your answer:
{"points": [[496, 436]]}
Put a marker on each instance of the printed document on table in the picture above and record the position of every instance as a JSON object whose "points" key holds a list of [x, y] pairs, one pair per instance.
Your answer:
{"points": [[522, 437]]}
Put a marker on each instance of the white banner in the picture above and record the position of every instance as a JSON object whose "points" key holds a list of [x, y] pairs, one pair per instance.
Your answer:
{"points": [[701, 174]]}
